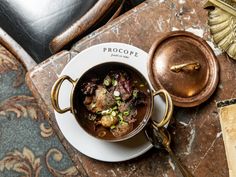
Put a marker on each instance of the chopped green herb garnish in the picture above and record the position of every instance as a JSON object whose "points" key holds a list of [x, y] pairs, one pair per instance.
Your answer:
{"points": [[107, 111], [114, 108], [98, 112], [117, 98], [118, 102], [126, 113], [123, 122], [120, 117], [113, 126], [135, 93], [106, 82], [113, 113], [114, 82], [104, 112], [141, 85]]}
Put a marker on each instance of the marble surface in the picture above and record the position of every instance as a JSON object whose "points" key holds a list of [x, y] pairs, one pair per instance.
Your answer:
{"points": [[196, 132]]}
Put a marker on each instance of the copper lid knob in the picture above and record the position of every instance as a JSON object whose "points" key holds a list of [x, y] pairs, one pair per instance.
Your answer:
{"points": [[193, 66]]}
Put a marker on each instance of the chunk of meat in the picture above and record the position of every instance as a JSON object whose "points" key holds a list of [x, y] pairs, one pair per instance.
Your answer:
{"points": [[123, 106], [124, 86], [109, 100], [114, 101], [122, 129], [99, 99], [131, 117], [89, 88], [140, 98], [102, 100], [88, 100], [108, 121]]}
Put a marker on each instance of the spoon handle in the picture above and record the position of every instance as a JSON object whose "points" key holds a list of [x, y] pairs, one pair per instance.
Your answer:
{"points": [[183, 169]]}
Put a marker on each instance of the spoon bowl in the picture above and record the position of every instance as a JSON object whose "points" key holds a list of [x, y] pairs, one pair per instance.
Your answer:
{"points": [[160, 138]]}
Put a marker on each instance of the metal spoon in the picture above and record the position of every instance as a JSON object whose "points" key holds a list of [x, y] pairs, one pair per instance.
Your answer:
{"points": [[160, 137]]}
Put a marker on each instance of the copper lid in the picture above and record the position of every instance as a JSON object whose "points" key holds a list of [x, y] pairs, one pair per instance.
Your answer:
{"points": [[184, 65]]}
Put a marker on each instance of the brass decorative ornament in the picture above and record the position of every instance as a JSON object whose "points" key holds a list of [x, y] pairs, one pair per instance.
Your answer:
{"points": [[222, 23]]}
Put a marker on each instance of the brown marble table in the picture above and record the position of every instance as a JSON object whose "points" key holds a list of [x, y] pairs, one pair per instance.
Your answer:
{"points": [[196, 132]]}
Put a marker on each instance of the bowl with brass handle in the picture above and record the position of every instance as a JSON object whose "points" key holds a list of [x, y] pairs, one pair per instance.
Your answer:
{"points": [[114, 105]]}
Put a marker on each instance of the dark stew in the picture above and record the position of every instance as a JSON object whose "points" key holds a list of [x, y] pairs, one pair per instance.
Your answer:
{"points": [[113, 101]]}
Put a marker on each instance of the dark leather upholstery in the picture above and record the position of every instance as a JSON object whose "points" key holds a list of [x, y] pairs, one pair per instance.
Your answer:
{"points": [[33, 23]]}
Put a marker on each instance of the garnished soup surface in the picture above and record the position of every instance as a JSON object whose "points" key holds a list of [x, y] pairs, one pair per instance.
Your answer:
{"points": [[113, 101]]}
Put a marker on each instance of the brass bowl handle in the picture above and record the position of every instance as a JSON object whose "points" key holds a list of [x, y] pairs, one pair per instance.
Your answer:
{"points": [[168, 110], [55, 93]]}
